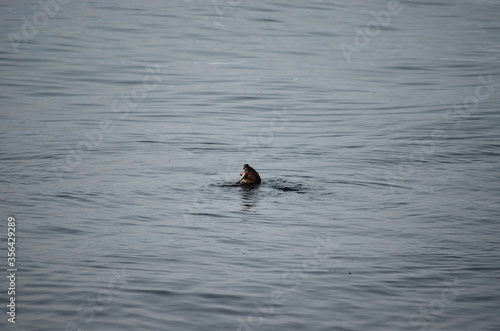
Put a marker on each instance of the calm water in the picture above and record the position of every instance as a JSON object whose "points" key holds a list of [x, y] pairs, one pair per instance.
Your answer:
{"points": [[373, 125]]}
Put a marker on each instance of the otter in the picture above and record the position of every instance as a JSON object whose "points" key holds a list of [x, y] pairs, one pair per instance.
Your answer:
{"points": [[249, 176]]}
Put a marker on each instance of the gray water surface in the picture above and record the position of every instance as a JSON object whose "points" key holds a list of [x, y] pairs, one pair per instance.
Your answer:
{"points": [[374, 127]]}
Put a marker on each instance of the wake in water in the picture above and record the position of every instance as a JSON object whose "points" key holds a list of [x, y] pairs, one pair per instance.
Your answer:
{"points": [[286, 186], [276, 184]]}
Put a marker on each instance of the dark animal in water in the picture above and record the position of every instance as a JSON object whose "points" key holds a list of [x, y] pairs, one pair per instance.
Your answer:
{"points": [[249, 176]]}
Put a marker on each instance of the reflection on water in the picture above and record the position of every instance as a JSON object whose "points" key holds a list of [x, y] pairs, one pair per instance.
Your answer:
{"points": [[249, 195]]}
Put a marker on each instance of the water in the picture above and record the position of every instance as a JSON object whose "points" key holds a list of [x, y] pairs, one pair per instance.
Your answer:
{"points": [[374, 127]]}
